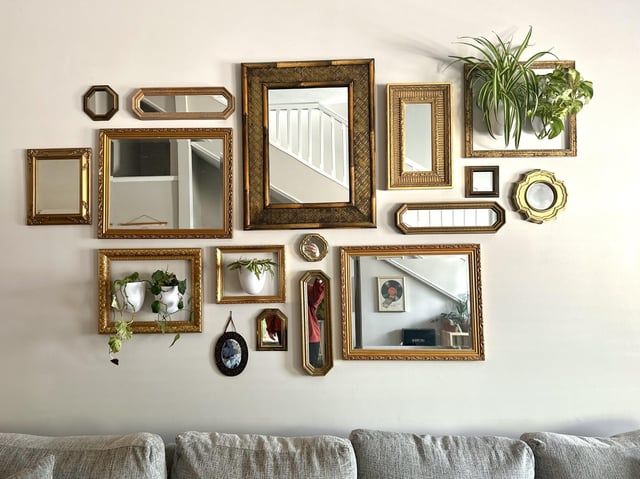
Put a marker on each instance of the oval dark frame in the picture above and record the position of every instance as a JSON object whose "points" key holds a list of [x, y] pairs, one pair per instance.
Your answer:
{"points": [[244, 351]]}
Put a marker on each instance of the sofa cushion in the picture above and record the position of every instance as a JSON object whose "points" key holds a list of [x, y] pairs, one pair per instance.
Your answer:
{"points": [[42, 470], [86, 457], [210, 455], [388, 455], [560, 456]]}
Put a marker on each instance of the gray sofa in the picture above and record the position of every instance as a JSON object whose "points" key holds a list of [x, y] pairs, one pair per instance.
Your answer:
{"points": [[366, 454]]}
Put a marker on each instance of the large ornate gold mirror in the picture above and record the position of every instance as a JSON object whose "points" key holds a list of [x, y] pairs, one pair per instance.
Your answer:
{"points": [[308, 131], [412, 302], [165, 183], [315, 304]]}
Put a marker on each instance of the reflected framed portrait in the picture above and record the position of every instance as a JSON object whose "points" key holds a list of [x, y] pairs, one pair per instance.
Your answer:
{"points": [[391, 294]]}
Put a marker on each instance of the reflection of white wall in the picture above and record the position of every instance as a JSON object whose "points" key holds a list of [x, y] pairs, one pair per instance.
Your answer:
{"points": [[422, 302], [207, 194], [57, 186], [417, 136], [155, 199]]}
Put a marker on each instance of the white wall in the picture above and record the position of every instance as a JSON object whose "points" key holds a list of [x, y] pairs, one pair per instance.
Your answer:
{"points": [[561, 318]]}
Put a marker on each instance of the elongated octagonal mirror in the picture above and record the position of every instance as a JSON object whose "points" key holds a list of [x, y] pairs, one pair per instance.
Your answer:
{"points": [[455, 217]]}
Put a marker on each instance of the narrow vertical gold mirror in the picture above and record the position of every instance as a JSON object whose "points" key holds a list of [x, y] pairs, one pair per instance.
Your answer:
{"points": [[315, 302], [59, 186]]}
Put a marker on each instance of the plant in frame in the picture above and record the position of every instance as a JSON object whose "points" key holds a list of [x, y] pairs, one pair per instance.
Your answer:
{"points": [[256, 266]]}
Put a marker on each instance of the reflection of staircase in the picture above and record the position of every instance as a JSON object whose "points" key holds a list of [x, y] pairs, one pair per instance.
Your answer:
{"points": [[315, 136], [422, 279]]}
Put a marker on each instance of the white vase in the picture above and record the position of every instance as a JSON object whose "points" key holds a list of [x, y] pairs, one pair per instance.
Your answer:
{"points": [[133, 296], [170, 297], [497, 121], [250, 283]]}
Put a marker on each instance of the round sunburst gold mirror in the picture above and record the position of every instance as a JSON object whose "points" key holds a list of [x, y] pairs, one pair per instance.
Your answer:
{"points": [[539, 196]]}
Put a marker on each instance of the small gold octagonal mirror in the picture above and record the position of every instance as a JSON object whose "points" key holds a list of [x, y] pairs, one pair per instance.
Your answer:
{"points": [[539, 196], [100, 102]]}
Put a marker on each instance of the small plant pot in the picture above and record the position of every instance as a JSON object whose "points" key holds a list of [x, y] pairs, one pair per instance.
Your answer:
{"points": [[250, 283], [170, 297], [133, 296], [497, 121]]}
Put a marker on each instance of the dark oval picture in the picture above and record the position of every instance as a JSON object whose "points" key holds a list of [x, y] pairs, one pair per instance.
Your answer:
{"points": [[231, 354]]}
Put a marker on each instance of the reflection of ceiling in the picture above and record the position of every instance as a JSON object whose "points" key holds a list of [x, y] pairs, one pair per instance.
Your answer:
{"points": [[330, 95]]}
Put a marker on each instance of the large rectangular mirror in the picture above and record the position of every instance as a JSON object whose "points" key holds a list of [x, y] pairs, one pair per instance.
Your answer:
{"points": [[309, 144], [165, 183], [412, 302]]}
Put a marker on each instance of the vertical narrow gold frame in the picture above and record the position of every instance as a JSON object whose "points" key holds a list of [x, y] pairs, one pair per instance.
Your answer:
{"points": [[328, 334], [83, 155]]}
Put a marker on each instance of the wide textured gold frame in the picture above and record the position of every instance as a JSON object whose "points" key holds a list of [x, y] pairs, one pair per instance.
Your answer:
{"points": [[283, 346], [138, 96], [257, 79], [453, 205], [280, 295], [104, 173], [571, 129], [328, 335], [83, 155], [192, 255], [438, 95], [475, 353], [522, 206]]}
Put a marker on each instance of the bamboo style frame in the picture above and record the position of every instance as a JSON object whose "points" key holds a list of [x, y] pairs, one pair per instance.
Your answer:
{"points": [[194, 285], [304, 319], [83, 216], [138, 97], [438, 95], [277, 250], [104, 174], [570, 130], [257, 79], [475, 353]]}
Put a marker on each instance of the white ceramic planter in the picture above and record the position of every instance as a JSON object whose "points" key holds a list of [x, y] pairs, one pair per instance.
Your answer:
{"points": [[170, 297], [250, 282], [133, 296]]}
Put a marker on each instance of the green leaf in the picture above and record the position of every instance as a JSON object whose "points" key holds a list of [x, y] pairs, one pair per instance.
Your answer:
{"points": [[155, 306], [115, 344], [155, 289], [182, 286], [180, 304], [175, 338]]}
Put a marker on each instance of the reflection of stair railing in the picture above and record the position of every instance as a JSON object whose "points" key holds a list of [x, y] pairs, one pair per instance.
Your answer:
{"points": [[422, 279], [313, 135]]}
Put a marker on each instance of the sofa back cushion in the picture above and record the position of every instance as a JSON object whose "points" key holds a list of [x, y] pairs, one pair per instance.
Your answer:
{"points": [[86, 457], [211, 455], [42, 470], [388, 455], [560, 456]]}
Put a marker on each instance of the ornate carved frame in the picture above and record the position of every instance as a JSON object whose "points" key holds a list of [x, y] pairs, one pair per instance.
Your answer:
{"points": [[470, 152], [138, 96], [438, 95], [83, 156], [453, 205], [257, 79], [104, 173], [192, 255], [328, 335], [522, 206], [475, 353]]}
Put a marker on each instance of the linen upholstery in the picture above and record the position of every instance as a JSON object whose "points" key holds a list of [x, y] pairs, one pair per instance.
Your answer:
{"points": [[213, 455], [560, 456], [133, 456], [388, 455], [42, 470]]}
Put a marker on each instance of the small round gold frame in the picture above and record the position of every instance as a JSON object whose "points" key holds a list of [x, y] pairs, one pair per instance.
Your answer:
{"points": [[522, 206], [308, 242]]}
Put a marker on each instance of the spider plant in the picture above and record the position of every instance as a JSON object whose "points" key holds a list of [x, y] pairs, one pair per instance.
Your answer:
{"points": [[505, 83]]}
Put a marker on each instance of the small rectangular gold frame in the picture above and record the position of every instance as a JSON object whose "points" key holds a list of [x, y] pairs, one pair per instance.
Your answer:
{"points": [[83, 217], [279, 297], [192, 255], [570, 132], [438, 95]]}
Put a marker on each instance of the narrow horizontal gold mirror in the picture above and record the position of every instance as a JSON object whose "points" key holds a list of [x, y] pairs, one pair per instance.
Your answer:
{"points": [[165, 183], [308, 132], [315, 304], [59, 186], [538, 196], [412, 302], [454, 217], [419, 136], [189, 103]]}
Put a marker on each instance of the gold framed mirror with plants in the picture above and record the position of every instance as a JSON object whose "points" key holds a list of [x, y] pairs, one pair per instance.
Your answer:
{"points": [[309, 123]]}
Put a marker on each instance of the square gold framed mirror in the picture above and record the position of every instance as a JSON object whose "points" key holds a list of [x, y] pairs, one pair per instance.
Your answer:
{"points": [[308, 138], [59, 186], [165, 183], [419, 136], [421, 302]]}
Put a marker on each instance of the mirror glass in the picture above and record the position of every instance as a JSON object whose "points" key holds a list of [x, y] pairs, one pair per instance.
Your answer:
{"points": [[231, 353], [309, 145], [540, 196], [183, 103], [313, 247], [417, 138], [272, 330], [458, 217], [316, 318], [410, 302], [58, 186], [482, 181], [100, 102]]}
